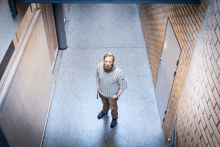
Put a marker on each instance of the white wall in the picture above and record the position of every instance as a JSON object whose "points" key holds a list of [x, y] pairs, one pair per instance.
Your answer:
{"points": [[8, 26], [26, 107], [66, 11]]}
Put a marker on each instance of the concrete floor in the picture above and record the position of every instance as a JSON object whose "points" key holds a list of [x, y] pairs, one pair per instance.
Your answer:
{"points": [[93, 30]]}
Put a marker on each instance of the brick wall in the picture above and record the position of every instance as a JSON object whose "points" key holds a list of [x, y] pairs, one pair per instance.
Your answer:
{"points": [[186, 20], [194, 106], [199, 106]]}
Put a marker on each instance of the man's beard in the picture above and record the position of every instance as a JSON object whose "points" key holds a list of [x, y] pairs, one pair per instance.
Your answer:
{"points": [[107, 68]]}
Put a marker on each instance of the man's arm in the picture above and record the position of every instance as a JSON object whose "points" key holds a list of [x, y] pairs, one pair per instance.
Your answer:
{"points": [[97, 83], [118, 94]]}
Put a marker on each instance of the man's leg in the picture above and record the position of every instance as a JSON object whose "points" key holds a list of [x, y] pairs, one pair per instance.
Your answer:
{"points": [[105, 103], [114, 107]]}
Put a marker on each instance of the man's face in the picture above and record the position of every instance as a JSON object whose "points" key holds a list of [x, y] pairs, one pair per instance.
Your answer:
{"points": [[108, 64]]}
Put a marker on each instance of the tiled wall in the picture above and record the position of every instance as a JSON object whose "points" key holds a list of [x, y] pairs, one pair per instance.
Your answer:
{"points": [[194, 103]]}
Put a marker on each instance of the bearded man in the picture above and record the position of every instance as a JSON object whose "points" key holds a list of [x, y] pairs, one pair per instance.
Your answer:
{"points": [[111, 82]]}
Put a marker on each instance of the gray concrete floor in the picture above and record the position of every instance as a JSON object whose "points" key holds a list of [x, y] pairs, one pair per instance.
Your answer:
{"points": [[93, 30]]}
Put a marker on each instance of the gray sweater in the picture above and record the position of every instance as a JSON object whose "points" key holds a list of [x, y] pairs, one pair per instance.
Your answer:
{"points": [[110, 83]]}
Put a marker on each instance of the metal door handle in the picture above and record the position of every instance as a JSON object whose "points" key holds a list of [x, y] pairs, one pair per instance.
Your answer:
{"points": [[160, 61]]}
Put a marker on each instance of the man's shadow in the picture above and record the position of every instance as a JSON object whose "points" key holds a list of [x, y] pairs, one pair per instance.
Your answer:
{"points": [[108, 134]]}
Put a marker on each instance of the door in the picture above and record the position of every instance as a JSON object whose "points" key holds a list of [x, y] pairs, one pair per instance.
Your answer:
{"points": [[167, 67]]}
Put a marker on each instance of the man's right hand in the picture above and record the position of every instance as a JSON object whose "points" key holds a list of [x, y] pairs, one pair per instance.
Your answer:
{"points": [[97, 88], [97, 83]]}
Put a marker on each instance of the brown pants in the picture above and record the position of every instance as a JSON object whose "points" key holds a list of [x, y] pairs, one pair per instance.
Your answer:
{"points": [[113, 105]]}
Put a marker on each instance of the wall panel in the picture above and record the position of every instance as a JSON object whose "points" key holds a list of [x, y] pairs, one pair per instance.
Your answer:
{"points": [[24, 114]]}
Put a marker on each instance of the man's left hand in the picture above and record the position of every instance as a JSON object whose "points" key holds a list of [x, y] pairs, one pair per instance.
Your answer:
{"points": [[114, 97]]}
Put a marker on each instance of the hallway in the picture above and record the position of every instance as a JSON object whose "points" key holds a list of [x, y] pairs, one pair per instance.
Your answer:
{"points": [[93, 30]]}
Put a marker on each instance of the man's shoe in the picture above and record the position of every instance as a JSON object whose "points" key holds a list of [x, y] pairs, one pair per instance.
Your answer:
{"points": [[101, 114], [114, 122]]}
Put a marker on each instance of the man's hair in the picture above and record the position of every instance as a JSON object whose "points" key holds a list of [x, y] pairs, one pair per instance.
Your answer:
{"points": [[109, 55]]}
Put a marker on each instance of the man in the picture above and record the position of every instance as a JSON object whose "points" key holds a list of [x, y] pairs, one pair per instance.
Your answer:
{"points": [[111, 82]]}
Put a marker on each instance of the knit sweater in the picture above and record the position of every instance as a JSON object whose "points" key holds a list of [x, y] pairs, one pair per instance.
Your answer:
{"points": [[110, 83]]}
